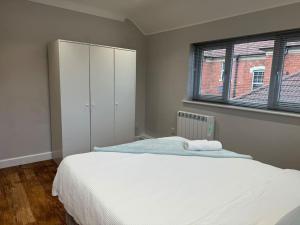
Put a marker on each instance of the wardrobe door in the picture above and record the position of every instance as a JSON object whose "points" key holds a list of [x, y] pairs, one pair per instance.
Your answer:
{"points": [[125, 76], [74, 90], [102, 95]]}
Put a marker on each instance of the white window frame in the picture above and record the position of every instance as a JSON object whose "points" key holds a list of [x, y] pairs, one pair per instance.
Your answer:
{"points": [[255, 69]]}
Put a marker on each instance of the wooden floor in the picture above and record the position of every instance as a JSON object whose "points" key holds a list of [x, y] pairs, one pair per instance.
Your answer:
{"points": [[25, 195]]}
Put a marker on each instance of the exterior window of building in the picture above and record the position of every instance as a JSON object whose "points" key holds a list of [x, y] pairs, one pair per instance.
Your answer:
{"points": [[221, 71], [258, 79]]}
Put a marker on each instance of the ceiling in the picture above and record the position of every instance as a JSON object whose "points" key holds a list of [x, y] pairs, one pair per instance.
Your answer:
{"points": [[154, 16]]}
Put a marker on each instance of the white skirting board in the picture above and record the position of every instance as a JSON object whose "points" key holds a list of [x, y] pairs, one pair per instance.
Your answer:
{"points": [[4, 163]]}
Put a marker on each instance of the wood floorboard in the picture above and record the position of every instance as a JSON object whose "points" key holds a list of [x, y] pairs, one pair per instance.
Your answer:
{"points": [[25, 195]]}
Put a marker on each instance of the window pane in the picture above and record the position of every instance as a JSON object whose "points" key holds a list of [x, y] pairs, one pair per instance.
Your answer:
{"points": [[250, 74], [290, 80], [212, 72]]}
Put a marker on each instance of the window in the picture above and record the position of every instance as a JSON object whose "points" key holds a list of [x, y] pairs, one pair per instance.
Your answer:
{"points": [[251, 69], [289, 87], [211, 65], [258, 79], [261, 71]]}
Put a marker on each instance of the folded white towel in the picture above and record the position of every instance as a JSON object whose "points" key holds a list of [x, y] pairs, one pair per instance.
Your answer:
{"points": [[203, 145]]}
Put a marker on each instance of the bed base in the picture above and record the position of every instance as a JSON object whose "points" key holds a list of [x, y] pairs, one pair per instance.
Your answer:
{"points": [[70, 220]]}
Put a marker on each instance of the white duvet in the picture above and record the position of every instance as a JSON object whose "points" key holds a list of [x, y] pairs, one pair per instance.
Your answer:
{"points": [[102, 188]]}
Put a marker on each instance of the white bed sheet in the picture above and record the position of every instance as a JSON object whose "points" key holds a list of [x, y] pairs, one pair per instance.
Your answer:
{"points": [[102, 188]]}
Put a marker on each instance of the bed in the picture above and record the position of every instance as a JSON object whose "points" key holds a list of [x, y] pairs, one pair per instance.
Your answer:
{"points": [[124, 188]]}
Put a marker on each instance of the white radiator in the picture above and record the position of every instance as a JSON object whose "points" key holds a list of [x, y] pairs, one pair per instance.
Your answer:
{"points": [[195, 126]]}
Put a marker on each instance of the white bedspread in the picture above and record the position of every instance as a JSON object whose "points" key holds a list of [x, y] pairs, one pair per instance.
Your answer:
{"points": [[102, 188]]}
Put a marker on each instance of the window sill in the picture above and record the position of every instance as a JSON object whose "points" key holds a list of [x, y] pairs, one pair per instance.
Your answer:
{"points": [[296, 115]]}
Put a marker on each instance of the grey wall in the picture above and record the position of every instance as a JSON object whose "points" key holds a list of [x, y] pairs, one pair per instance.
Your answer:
{"points": [[25, 30], [269, 138]]}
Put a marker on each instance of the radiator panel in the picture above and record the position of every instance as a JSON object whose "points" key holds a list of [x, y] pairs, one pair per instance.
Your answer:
{"points": [[195, 126]]}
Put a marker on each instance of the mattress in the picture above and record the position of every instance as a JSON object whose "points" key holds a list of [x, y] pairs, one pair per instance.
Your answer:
{"points": [[107, 188]]}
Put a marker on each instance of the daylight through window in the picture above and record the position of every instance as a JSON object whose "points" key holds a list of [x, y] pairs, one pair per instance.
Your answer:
{"points": [[261, 71]]}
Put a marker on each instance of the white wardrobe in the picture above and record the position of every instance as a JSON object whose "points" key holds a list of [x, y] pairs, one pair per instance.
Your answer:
{"points": [[92, 96]]}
